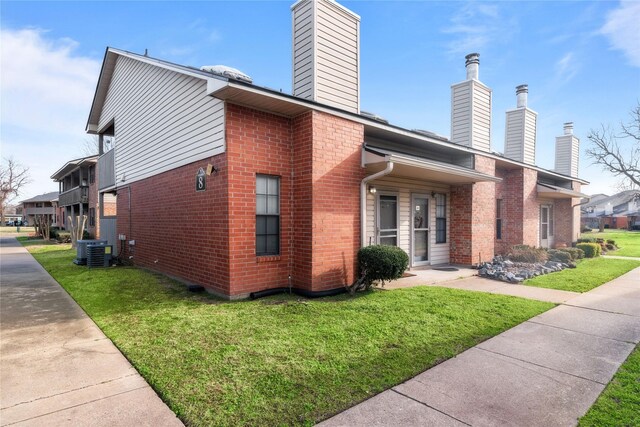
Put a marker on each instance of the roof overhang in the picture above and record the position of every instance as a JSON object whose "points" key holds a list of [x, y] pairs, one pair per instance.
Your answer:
{"points": [[72, 165], [406, 166], [549, 191]]}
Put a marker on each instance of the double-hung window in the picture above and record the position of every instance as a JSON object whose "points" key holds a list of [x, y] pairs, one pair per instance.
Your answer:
{"points": [[267, 215], [499, 219], [441, 218]]}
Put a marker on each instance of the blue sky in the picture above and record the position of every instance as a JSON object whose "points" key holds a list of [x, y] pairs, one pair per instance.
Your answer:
{"points": [[580, 59]]}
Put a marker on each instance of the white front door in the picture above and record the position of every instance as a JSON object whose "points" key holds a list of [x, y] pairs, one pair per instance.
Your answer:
{"points": [[419, 230], [544, 226], [387, 227]]}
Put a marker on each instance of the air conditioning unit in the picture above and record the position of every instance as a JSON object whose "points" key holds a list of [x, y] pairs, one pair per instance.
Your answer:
{"points": [[81, 246], [99, 255]]}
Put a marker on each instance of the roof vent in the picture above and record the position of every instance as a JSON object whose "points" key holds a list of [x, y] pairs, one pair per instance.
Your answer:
{"points": [[229, 72], [428, 133], [374, 117]]}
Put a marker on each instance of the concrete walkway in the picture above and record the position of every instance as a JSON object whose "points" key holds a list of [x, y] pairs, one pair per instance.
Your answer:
{"points": [[547, 371], [56, 366], [474, 283]]}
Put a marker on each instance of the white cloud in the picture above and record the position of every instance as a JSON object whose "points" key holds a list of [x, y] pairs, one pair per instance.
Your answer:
{"points": [[46, 90], [475, 26], [566, 68], [622, 28]]}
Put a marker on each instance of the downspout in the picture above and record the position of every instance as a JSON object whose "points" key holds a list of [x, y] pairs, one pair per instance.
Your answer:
{"points": [[363, 200]]}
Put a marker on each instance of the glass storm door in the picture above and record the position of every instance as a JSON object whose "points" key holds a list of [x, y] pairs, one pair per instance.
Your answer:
{"points": [[420, 227], [388, 220], [544, 226]]}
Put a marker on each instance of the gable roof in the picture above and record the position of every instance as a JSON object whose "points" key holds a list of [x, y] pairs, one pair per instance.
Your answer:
{"points": [[46, 197], [72, 165], [265, 99]]}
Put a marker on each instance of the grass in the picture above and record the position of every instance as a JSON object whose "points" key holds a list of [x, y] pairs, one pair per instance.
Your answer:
{"points": [[24, 231], [590, 273], [619, 403], [32, 241], [281, 360], [627, 241]]}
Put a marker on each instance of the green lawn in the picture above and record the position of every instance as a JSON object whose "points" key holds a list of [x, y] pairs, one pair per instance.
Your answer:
{"points": [[627, 241], [24, 231], [32, 241], [619, 403], [282, 360], [590, 273]]}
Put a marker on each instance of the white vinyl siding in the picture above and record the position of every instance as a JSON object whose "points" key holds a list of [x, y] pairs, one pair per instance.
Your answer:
{"points": [[438, 253], [325, 54], [163, 120], [471, 115], [520, 135], [567, 155], [303, 50]]}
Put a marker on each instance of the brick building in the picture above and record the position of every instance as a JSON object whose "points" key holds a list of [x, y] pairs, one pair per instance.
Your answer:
{"points": [[78, 194], [282, 190]]}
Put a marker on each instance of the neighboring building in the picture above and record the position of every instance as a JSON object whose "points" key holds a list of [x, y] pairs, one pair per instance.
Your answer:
{"points": [[12, 214], [620, 211], [44, 204], [281, 190], [78, 194]]}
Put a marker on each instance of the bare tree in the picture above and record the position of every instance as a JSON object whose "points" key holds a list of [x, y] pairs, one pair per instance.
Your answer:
{"points": [[91, 144], [13, 177], [619, 153]]}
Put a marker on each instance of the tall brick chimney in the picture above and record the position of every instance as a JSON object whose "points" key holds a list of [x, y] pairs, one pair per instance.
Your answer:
{"points": [[326, 54], [520, 133], [567, 152], [471, 109]]}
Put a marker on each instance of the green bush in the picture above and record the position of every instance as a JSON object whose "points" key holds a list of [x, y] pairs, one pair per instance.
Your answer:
{"points": [[591, 250], [611, 242], [63, 236], [381, 262], [575, 253], [610, 247], [559, 256], [587, 240], [529, 254]]}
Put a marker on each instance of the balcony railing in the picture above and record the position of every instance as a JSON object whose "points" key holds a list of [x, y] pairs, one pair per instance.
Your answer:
{"points": [[74, 196], [39, 211], [106, 170]]}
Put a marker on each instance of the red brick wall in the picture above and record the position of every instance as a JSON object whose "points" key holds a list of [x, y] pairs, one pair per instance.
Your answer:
{"points": [[337, 174], [567, 219], [177, 230], [257, 143], [473, 218], [316, 156], [530, 208], [94, 202]]}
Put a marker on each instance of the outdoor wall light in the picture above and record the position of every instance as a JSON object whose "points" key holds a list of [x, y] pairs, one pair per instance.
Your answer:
{"points": [[372, 189]]}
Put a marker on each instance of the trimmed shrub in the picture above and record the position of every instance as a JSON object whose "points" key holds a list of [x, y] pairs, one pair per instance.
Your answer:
{"points": [[587, 240], [591, 250], [63, 236], [585, 229], [575, 253], [559, 256], [610, 247], [611, 242], [381, 262], [529, 254]]}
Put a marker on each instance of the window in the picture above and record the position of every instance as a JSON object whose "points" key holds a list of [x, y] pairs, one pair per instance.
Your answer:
{"points": [[441, 218], [92, 174], [267, 215], [499, 219], [92, 217]]}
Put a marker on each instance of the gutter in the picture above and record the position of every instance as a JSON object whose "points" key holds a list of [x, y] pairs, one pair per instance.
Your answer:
{"points": [[363, 200]]}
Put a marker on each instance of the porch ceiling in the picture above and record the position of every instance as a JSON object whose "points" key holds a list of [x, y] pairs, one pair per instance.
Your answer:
{"points": [[553, 192], [405, 166]]}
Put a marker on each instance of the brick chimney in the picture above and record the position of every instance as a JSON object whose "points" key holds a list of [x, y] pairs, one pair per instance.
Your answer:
{"points": [[567, 152], [471, 109], [326, 54], [520, 133]]}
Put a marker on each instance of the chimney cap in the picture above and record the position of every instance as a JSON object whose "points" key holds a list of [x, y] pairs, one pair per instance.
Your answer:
{"points": [[472, 58], [524, 88], [568, 128]]}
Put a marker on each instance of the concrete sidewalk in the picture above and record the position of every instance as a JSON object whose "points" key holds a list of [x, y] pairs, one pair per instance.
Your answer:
{"points": [[56, 366], [547, 371]]}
